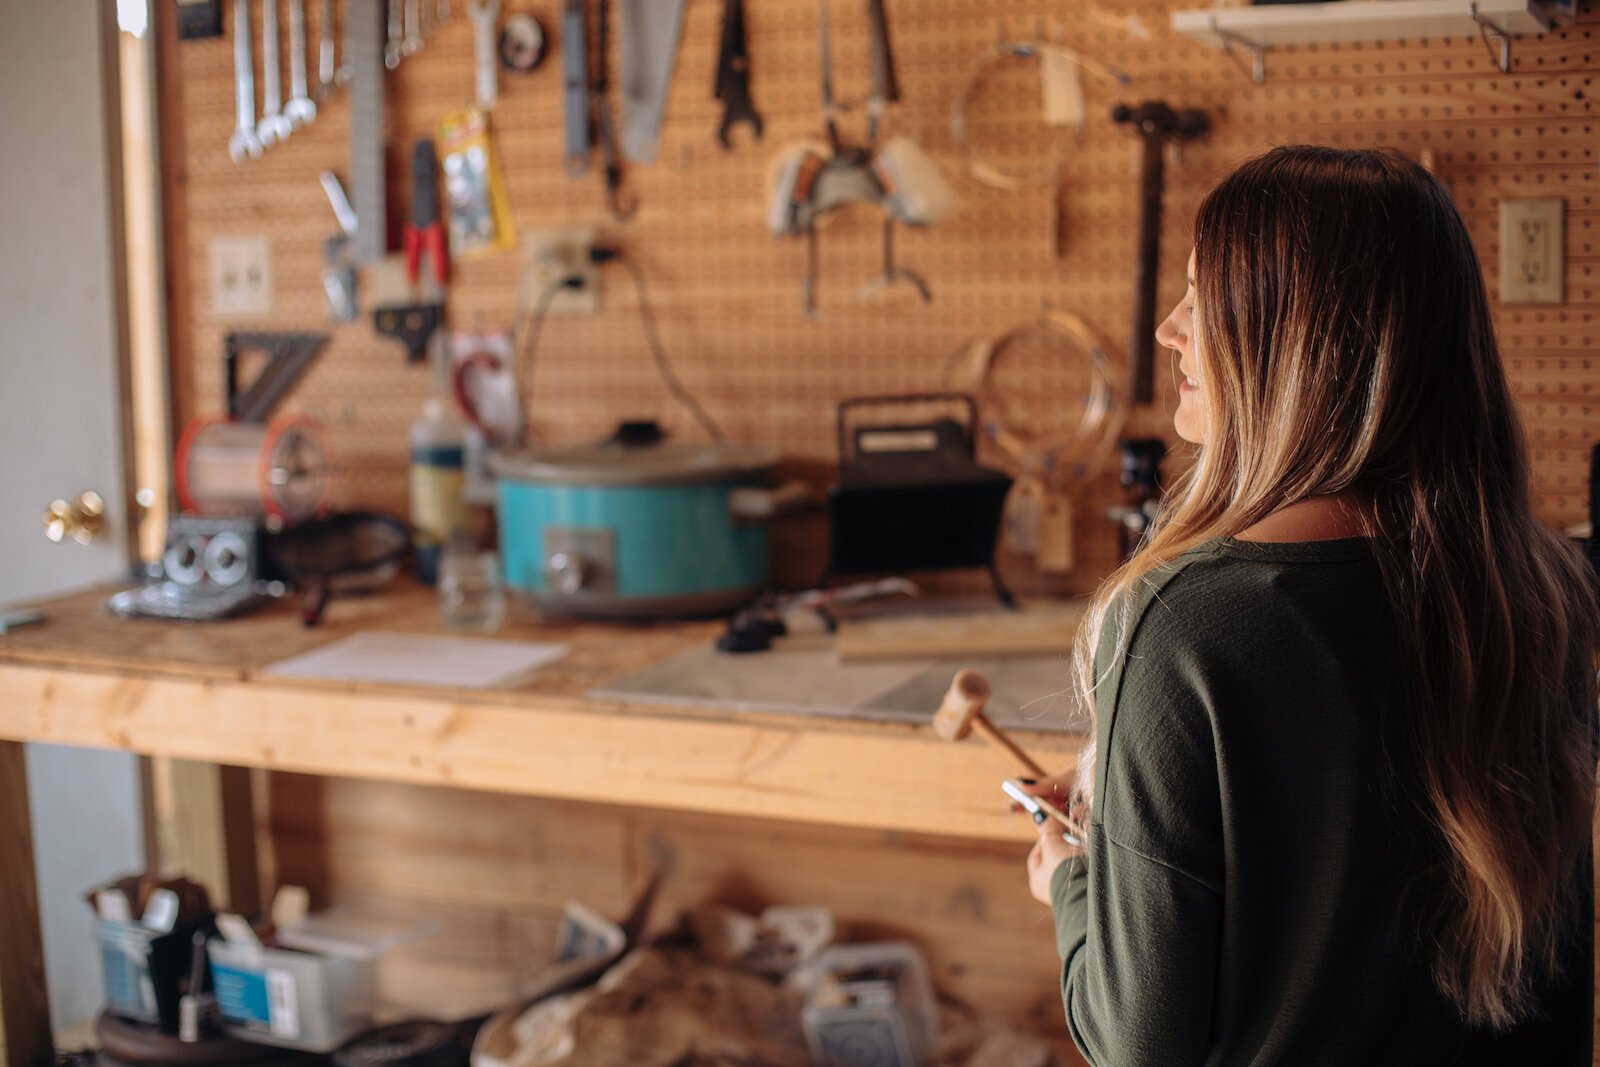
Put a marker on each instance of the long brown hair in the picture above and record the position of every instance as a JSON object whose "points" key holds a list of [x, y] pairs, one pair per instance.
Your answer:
{"points": [[1345, 343]]}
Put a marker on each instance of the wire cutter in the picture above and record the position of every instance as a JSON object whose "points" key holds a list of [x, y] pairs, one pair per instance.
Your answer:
{"points": [[424, 233]]}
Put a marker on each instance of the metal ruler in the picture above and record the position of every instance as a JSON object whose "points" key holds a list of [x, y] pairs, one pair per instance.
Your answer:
{"points": [[363, 55]]}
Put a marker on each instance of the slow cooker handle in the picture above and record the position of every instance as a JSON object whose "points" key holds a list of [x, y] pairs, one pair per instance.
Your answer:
{"points": [[750, 503]]}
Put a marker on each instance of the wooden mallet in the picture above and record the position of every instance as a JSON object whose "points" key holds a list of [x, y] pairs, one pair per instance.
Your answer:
{"points": [[962, 712]]}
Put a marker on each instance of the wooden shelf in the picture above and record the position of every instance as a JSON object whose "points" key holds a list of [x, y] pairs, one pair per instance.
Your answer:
{"points": [[1256, 29], [199, 692]]}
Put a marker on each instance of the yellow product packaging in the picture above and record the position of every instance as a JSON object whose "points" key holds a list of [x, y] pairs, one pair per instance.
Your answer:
{"points": [[475, 188]]}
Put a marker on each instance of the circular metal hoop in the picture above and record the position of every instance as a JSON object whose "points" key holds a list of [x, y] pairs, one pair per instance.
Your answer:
{"points": [[981, 168], [1090, 442]]}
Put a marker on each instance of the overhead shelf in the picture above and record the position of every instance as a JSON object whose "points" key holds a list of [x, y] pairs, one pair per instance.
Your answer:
{"points": [[1256, 29]]}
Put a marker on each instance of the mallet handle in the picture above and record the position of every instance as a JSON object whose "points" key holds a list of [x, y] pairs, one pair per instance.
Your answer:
{"points": [[981, 723]]}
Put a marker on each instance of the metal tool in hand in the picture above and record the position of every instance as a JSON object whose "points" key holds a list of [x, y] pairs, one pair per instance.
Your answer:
{"points": [[483, 42], [274, 125], [622, 208], [733, 75], [244, 142], [300, 109]]}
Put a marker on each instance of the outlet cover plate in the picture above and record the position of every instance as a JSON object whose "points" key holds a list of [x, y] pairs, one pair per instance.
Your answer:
{"points": [[548, 256], [1532, 250], [241, 276]]}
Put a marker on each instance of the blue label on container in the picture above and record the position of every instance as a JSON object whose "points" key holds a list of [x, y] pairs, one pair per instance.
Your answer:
{"points": [[122, 981], [439, 455], [242, 996]]}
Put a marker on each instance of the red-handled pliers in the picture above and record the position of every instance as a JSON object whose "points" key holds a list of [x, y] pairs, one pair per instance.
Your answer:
{"points": [[424, 232]]}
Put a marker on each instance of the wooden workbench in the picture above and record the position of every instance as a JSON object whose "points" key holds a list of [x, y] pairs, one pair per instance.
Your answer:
{"points": [[198, 692]]}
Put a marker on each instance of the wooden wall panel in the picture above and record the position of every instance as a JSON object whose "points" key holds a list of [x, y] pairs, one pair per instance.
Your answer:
{"points": [[727, 293]]}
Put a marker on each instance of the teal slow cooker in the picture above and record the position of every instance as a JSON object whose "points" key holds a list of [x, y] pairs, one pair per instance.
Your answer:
{"points": [[636, 530]]}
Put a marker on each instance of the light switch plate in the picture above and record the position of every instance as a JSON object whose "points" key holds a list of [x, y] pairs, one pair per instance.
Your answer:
{"points": [[1532, 250], [241, 276]]}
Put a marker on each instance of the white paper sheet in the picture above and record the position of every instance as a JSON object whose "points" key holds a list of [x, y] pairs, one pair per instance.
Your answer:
{"points": [[420, 659]]}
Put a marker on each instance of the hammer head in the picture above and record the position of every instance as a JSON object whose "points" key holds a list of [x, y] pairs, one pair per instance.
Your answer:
{"points": [[963, 702]]}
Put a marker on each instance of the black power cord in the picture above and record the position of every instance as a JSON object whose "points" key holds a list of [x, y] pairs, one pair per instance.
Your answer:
{"points": [[534, 326]]}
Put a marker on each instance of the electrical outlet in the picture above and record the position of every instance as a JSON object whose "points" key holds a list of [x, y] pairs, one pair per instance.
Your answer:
{"points": [[1532, 250], [241, 276], [551, 256]]}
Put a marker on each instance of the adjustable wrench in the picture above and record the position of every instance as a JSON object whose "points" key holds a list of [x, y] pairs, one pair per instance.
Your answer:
{"points": [[244, 141], [299, 110], [274, 126]]}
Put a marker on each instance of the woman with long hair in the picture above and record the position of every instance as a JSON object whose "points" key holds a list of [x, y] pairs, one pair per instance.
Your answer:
{"points": [[1342, 776]]}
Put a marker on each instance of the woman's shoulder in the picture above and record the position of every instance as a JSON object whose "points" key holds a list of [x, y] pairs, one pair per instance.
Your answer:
{"points": [[1227, 590]]}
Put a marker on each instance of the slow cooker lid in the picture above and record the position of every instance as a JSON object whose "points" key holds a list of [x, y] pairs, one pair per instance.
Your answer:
{"points": [[611, 463]]}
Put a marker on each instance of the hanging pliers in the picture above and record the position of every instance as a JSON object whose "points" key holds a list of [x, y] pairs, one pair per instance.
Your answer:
{"points": [[424, 233]]}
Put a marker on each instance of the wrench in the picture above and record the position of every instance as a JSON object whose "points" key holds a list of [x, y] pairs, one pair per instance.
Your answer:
{"points": [[244, 141], [397, 30], [274, 126], [299, 110], [413, 39], [326, 73], [483, 19]]}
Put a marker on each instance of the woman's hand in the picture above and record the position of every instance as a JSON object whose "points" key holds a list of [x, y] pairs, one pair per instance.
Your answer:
{"points": [[1049, 852], [1056, 789]]}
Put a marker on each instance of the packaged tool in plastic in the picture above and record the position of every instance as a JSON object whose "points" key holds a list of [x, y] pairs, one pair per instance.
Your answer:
{"points": [[480, 211]]}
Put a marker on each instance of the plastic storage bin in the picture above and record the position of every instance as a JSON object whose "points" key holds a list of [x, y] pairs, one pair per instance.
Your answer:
{"points": [[302, 1000], [142, 968], [871, 1005]]}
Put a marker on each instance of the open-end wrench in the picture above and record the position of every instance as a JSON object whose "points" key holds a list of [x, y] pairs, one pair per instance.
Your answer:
{"points": [[483, 19], [413, 38], [299, 110], [244, 142], [274, 125], [326, 72], [397, 32]]}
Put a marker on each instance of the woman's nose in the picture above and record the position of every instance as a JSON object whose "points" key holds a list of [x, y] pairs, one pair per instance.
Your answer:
{"points": [[1168, 335]]}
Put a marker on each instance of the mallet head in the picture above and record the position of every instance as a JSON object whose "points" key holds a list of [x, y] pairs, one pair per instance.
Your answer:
{"points": [[963, 702]]}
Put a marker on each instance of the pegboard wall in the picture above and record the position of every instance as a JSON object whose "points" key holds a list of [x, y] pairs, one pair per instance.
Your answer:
{"points": [[727, 294]]}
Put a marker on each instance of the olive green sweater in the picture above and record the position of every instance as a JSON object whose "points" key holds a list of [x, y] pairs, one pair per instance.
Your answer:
{"points": [[1251, 890]]}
